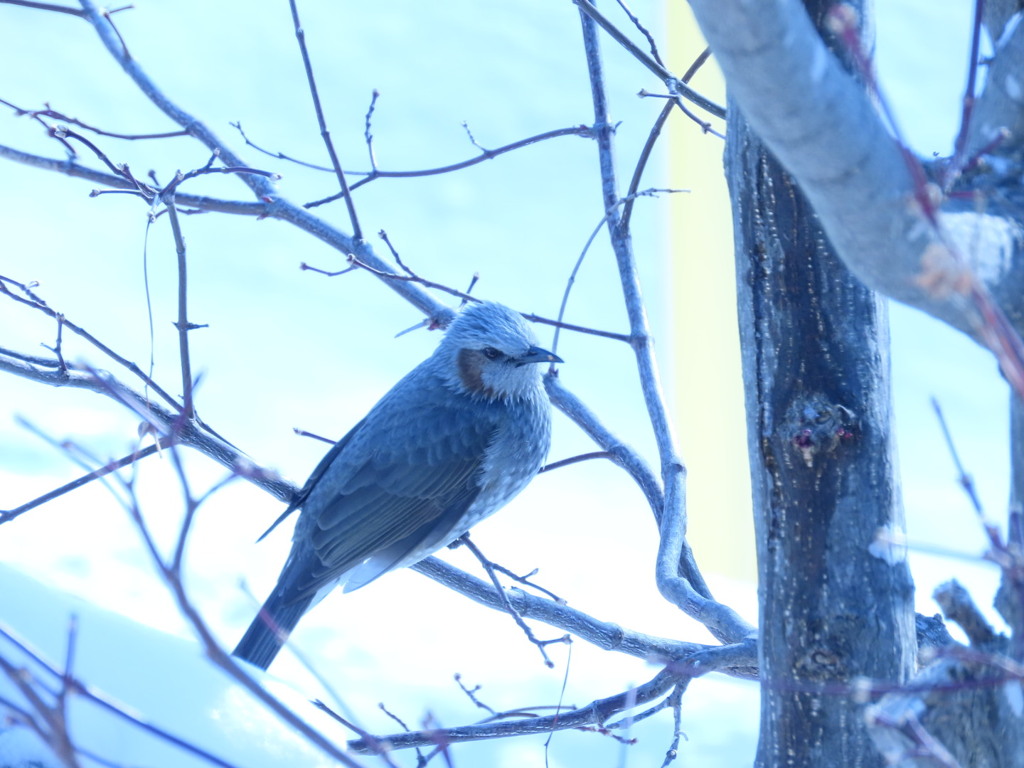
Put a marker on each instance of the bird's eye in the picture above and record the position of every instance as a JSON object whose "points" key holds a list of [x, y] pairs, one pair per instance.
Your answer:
{"points": [[491, 353]]}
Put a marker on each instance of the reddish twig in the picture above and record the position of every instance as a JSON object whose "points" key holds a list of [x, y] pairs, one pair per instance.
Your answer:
{"points": [[960, 159]]}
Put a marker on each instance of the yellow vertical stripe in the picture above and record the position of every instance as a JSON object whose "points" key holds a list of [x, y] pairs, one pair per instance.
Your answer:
{"points": [[707, 382]]}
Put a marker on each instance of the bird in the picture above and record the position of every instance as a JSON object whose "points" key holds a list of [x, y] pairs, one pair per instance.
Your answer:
{"points": [[451, 443]]}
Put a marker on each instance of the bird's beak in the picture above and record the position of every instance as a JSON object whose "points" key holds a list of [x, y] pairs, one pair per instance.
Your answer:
{"points": [[538, 355]]}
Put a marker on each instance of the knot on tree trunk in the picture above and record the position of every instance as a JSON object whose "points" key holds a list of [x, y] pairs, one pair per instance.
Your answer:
{"points": [[815, 427]]}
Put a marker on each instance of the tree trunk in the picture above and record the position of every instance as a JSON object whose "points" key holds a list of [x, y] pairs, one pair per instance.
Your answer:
{"points": [[836, 599]]}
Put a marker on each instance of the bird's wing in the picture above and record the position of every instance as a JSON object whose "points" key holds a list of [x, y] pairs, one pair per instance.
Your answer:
{"points": [[303, 493], [401, 483]]}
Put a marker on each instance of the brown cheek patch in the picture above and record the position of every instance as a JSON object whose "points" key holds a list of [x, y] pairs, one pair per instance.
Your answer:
{"points": [[470, 363]]}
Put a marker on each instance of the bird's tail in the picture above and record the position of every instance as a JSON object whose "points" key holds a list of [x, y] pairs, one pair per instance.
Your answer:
{"points": [[269, 630]]}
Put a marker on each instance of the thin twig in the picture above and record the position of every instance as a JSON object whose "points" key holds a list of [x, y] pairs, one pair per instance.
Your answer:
{"points": [[489, 568], [31, 299], [641, 163], [412, 277], [595, 713], [485, 154], [576, 459], [963, 476], [643, 31], [525, 581], [675, 700], [183, 325], [367, 134], [45, 7], [692, 70], [560, 323], [300, 35], [960, 159], [47, 111], [67, 687], [471, 694], [195, 434], [684, 91], [10, 514], [89, 693], [652, 138], [69, 167]]}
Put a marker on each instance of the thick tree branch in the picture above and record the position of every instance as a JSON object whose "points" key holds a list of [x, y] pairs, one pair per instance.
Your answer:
{"points": [[822, 126]]}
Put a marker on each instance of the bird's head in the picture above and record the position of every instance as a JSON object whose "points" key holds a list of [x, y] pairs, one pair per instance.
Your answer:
{"points": [[490, 350]]}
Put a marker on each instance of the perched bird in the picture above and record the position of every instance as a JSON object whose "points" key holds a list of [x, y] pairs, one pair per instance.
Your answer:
{"points": [[450, 444]]}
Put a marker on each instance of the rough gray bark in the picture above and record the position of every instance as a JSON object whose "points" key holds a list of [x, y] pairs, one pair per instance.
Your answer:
{"points": [[835, 606], [836, 603]]}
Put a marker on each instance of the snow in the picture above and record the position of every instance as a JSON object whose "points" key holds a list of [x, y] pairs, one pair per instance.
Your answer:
{"points": [[162, 680]]}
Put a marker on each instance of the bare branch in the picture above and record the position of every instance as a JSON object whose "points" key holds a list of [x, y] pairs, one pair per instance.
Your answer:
{"points": [[643, 31], [193, 435], [11, 514], [595, 713], [32, 300], [47, 111], [44, 7], [641, 163], [69, 167], [183, 325], [89, 693], [300, 35], [960, 156], [412, 277], [601, 634], [575, 460], [684, 91], [489, 567], [965, 479], [485, 154], [366, 133], [652, 138]]}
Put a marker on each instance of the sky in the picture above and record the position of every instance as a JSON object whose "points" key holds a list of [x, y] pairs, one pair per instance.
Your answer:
{"points": [[287, 348]]}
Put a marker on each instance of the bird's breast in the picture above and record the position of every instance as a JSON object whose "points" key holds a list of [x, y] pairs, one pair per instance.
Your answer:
{"points": [[513, 457]]}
